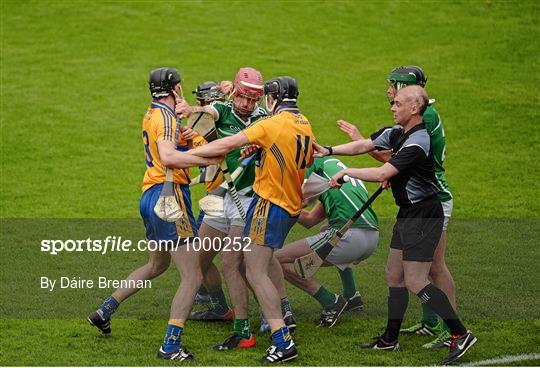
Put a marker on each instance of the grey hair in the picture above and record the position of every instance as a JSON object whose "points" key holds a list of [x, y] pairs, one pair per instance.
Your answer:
{"points": [[418, 96]]}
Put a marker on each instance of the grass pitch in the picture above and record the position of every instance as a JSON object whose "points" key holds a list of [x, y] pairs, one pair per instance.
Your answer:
{"points": [[73, 77]]}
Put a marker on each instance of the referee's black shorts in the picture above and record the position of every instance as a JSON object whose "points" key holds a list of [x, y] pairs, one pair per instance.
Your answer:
{"points": [[418, 230]]}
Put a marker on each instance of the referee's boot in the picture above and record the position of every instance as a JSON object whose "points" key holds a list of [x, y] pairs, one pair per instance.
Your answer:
{"points": [[280, 355], [97, 320], [330, 316], [380, 344], [459, 346]]}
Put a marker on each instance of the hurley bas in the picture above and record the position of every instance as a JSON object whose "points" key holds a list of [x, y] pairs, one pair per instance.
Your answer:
{"points": [[101, 283]]}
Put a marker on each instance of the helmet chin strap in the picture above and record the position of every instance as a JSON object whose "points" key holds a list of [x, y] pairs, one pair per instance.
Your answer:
{"points": [[268, 108], [178, 96], [230, 96]]}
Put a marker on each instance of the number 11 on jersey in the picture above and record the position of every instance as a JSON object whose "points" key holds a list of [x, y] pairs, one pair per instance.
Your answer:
{"points": [[302, 149]]}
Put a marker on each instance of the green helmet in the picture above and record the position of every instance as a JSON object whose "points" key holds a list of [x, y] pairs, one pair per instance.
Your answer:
{"points": [[406, 75]]}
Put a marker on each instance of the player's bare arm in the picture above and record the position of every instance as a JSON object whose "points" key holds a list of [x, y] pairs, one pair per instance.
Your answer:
{"points": [[183, 109], [172, 158], [308, 219], [221, 147], [373, 174]]}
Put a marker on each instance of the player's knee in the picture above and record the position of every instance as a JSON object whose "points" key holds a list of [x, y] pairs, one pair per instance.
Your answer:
{"points": [[230, 264], [157, 267], [279, 256], [414, 284], [198, 277], [438, 269], [252, 275], [393, 277], [194, 277]]}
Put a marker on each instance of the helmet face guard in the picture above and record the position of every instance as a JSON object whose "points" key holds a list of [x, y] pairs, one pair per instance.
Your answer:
{"points": [[162, 81], [208, 92]]}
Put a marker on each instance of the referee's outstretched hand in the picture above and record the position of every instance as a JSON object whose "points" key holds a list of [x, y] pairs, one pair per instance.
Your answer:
{"points": [[319, 151], [350, 129]]}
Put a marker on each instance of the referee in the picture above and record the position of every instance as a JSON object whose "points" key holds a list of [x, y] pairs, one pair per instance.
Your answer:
{"points": [[419, 223]]}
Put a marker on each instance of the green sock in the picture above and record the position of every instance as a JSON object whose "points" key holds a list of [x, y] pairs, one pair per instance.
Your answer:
{"points": [[428, 316], [325, 297], [218, 301], [347, 281], [241, 328]]}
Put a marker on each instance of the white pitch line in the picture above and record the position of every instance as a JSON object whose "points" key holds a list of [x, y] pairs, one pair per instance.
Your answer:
{"points": [[505, 359]]}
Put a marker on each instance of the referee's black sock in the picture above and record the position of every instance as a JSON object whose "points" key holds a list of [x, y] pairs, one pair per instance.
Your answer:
{"points": [[434, 298], [398, 299]]}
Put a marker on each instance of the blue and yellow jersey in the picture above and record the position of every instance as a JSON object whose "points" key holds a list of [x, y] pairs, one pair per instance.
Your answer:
{"points": [[286, 140], [159, 124]]}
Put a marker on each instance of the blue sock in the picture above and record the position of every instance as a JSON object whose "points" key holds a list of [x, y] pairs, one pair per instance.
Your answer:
{"points": [[281, 337], [108, 307], [172, 337]]}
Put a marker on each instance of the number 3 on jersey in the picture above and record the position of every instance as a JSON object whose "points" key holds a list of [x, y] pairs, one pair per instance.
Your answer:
{"points": [[149, 159], [302, 148]]}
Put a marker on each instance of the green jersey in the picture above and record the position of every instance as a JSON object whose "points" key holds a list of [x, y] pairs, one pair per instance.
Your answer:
{"points": [[435, 129], [228, 124], [341, 204]]}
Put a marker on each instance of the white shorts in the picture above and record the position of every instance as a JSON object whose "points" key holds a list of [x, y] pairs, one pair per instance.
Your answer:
{"points": [[447, 210], [355, 246], [230, 217]]}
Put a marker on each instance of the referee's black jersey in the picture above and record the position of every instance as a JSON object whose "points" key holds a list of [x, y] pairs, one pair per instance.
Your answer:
{"points": [[411, 155]]}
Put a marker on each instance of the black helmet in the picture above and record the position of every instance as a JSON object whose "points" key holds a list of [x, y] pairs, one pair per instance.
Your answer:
{"points": [[410, 74], [208, 92], [282, 89], [162, 81]]}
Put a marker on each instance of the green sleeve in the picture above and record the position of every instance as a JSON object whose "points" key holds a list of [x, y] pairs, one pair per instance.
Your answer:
{"points": [[221, 108], [431, 120]]}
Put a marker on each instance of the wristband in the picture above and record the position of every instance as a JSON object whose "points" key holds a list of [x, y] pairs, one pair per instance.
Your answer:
{"points": [[330, 150]]}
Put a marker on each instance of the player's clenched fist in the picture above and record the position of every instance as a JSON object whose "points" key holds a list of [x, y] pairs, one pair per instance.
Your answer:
{"points": [[248, 151], [183, 109], [188, 134]]}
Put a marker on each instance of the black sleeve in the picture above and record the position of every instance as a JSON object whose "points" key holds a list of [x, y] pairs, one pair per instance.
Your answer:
{"points": [[406, 157]]}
